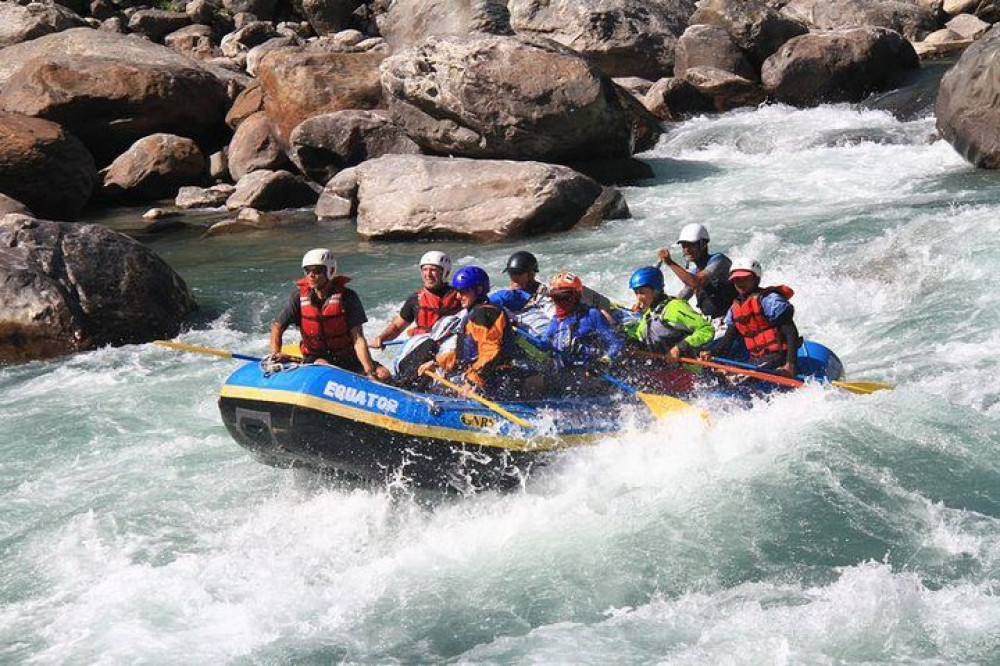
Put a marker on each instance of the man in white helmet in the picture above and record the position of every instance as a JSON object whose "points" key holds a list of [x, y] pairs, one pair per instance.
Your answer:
{"points": [[706, 275], [424, 307], [330, 317], [764, 318]]}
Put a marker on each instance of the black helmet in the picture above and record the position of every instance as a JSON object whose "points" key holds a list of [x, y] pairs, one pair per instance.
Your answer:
{"points": [[522, 261]]}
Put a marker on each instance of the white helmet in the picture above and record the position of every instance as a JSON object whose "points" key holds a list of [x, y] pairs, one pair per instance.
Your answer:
{"points": [[692, 233], [321, 257], [439, 259], [743, 266]]}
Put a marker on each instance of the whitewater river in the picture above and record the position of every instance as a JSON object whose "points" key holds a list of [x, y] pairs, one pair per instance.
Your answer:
{"points": [[818, 528]]}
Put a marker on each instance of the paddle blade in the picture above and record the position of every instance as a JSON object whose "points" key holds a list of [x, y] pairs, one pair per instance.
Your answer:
{"points": [[863, 388], [666, 406]]}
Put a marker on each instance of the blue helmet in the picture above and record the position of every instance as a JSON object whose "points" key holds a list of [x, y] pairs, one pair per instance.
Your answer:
{"points": [[647, 276], [471, 277]]}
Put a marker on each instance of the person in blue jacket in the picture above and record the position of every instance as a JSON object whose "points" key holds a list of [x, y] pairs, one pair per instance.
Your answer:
{"points": [[580, 336]]}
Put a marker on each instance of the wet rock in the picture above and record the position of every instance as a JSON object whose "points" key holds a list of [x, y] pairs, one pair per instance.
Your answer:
{"points": [[967, 112], [325, 144], [841, 66], [619, 37], [44, 167], [110, 90], [418, 196], [20, 23], [204, 197], [500, 97], [66, 288], [271, 190]]}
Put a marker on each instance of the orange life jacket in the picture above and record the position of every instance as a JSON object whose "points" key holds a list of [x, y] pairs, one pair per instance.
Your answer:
{"points": [[759, 334], [431, 307], [324, 329]]}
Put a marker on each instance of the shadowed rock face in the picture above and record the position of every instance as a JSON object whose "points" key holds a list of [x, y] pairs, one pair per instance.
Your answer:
{"points": [[44, 167], [406, 196], [967, 112], [838, 66], [72, 287], [501, 97], [110, 90]]}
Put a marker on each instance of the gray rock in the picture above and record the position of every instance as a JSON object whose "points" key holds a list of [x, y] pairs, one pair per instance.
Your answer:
{"points": [[907, 18], [271, 190], [44, 167], [417, 196], [620, 37], [157, 23], [245, 38], [407, 23], [500, 97], [194, 41], [756, 26], [203, 197], [328, 16], [325, 144], [66, 288], [154, 168], [20, 23], [262, 9], [711, 46], [967, 112]]}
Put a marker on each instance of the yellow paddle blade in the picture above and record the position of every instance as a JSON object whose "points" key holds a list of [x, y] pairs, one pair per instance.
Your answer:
{"points": [[666, 406], [292, 350], [863, 388]]}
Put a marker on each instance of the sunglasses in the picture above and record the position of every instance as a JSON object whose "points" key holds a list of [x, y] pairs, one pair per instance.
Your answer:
{"points": [[314, 270]]}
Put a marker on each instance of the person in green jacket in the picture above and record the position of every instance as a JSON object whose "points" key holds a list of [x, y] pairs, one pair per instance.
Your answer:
{"points": [[666, 325]]}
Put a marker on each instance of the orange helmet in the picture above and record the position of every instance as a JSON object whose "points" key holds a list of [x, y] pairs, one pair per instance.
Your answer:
{"points": [[566, 281]]}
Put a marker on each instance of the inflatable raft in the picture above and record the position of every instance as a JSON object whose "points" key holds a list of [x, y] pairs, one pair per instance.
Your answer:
{"points": [[328, 418]]}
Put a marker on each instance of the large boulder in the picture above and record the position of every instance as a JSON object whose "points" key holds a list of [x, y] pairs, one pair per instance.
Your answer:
{"points": [[328, 16], [325, 144], [407, 23], [110, 90], [838, 66], [755, 25], [299, 83], [271, 190], [711, 46], [620, 37], [44, 167], [19, 23], [254, 147], [501, 97], [910, 19], [968, 103], [72, 287], [417, 196], [155, 167]]}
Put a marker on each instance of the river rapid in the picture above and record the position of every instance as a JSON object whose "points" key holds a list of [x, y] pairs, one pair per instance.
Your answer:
{"points": [[818, 527]]}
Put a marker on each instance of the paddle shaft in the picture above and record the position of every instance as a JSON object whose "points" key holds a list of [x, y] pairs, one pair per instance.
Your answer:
{"points": [[211, 351], [478, 398], [731, 368]]}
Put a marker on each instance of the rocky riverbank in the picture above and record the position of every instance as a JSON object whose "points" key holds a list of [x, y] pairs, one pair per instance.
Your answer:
{"points": [[482, 119]]}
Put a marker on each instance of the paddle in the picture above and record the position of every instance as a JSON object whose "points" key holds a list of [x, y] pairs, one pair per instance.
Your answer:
{"points": [[662, 406], [863, 388], [478, 398], [205, 350], [747, 370]]}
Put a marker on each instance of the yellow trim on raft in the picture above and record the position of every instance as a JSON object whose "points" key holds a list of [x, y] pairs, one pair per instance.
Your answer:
{"points": [[543, 443]]}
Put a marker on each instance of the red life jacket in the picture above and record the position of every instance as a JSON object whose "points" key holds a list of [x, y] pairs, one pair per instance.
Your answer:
{"points": [[324, 329], [759, 334], [431, 307]]}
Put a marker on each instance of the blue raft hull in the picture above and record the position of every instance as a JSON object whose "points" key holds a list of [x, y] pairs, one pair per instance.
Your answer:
{"points": [[327, 418]]}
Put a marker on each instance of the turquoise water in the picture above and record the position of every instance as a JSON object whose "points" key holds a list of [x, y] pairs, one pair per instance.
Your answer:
{"points": [[820, 527]]}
